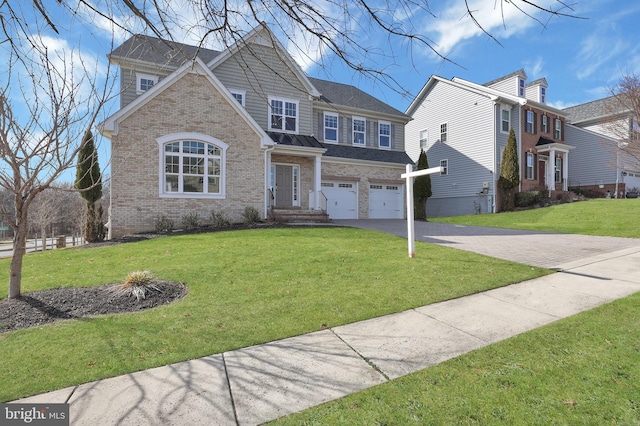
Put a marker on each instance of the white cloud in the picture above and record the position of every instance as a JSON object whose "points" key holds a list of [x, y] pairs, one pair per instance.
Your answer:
{"points": [[501, 19], [535, 69]]}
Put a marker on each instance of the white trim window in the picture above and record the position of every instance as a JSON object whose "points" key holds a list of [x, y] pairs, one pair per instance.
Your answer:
{"points": [[444, 132], [529, 122], [424, 138], [445, 167], [544, 124], [505, 118], [330, 127], [359, 131], [529, 166], [283, 115], [543, 95], [145, 82], [239, 95], [521, 89], [192, 166], [384, 134], [557, 126]]}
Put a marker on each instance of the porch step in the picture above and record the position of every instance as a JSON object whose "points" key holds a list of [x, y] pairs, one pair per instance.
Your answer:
{"points": [[298, 216]]}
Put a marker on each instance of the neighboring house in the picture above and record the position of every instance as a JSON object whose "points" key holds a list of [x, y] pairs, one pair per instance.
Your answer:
{"points": [[606, 163], [201, 131], [464, 127]]}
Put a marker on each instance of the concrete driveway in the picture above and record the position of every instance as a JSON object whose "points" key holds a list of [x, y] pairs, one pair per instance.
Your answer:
{"points": [[545, 249]]}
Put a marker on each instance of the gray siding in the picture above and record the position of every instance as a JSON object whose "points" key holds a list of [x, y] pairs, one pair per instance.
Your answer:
{"points": [[469, 148], [128, 90], [458, 206], [593, 160], [262, 73], [508, 85]]}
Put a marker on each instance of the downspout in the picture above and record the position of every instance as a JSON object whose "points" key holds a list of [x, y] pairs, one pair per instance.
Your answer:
{"points": [[495, 155]]}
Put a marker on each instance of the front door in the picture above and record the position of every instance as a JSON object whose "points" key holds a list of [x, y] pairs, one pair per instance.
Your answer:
{"points": [[542, 175], [284, 186]]}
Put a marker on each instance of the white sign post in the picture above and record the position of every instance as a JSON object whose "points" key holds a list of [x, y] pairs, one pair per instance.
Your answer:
{"points": [[409, 175]]}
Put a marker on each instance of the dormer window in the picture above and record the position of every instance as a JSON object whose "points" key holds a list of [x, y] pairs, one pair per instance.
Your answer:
{"points": [[521, 90], [145, 82], [543, 95]]}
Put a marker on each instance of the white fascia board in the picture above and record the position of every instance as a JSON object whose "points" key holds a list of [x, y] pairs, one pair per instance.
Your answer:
{"points": [[215, 62], [419, 98], [348, 110], [494, 94], [297, 150]]}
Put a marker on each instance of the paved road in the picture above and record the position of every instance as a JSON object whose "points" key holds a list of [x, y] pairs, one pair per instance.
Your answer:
{"points": [[545, 249]]}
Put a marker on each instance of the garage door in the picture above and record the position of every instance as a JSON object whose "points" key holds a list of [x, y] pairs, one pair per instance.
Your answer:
{"points": [[386, 202], [632, 180], [342, 199]]}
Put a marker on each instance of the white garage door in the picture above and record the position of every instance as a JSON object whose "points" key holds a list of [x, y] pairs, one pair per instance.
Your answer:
{"points": [[632, 180], [342, 199], [386, 202]]}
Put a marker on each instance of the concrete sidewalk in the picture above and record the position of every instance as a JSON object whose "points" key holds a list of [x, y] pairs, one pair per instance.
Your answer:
{"points": [[261, 383]]}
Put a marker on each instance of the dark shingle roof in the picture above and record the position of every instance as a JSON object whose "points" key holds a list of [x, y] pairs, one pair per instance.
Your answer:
{"points": [[504, 77], [295, 140], [350, 96], [594, 109], [368, 154], [545, 141], [161, 52]]}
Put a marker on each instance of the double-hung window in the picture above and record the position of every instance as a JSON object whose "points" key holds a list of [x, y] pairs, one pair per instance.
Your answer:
{"points": [[543, 95], [529, 166], [529, 121], [444, 132], [384, 134], [191, 165], [283, 115], [558, 170], [445, 167], [521, 89], [359, 131], [544, 124], [506, 121], [557, 133], [424, 138], [330, 127]]}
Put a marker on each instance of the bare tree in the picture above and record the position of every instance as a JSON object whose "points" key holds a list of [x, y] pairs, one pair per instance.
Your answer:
{"points": [[40, 135], [622, 117], [315, 29]]}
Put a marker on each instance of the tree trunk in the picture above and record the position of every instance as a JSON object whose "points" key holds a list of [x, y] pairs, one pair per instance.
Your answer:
{"points": [[44, 238], [15, 271]]}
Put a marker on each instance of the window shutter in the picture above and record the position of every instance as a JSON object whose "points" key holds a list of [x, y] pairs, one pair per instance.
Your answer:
{"points": [[367, 138], [535, 166], [535, 123], [340, 128], [320, 135], [376, 130], [350, 131], [562, 130], [392, 143]]}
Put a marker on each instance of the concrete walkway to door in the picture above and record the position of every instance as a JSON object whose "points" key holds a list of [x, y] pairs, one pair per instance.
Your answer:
{"points": [[544, 249]]}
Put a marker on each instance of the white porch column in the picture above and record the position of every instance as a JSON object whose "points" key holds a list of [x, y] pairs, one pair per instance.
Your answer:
{"points": [[317, 181], [565, 171], [551, 176]]}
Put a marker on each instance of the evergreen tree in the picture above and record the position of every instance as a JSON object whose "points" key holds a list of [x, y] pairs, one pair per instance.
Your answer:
{"points": [[421, 189], [509, 173], [89, 183]]}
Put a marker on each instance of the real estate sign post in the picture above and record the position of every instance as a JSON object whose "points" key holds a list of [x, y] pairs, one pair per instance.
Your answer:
{"points": [[409, 175]]}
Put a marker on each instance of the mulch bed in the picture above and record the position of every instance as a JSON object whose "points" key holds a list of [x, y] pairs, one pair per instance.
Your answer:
{"points": [[46, 306]]}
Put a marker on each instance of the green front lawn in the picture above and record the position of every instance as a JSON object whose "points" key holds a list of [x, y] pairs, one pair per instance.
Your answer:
{"points": [[245, 287], [606, 217], [583, 370]]}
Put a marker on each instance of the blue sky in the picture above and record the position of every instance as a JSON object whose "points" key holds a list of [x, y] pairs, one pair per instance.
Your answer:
{"points": [[580, 57]]}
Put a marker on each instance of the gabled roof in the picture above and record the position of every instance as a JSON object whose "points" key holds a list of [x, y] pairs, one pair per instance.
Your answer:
{"points": [[539, 82], [170, 54], [595, 110], [339, 94], [109, 127], [263, 35], [519, 73]]}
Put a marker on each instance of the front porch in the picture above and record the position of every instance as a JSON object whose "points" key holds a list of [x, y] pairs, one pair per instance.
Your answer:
{"points": [[553, 165]]}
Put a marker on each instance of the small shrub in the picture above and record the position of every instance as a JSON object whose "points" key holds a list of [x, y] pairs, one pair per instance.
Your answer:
{"points": [[219, 220], [251, 215], [190, 221], [528, 198], [163, 224], [138, 284]]}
